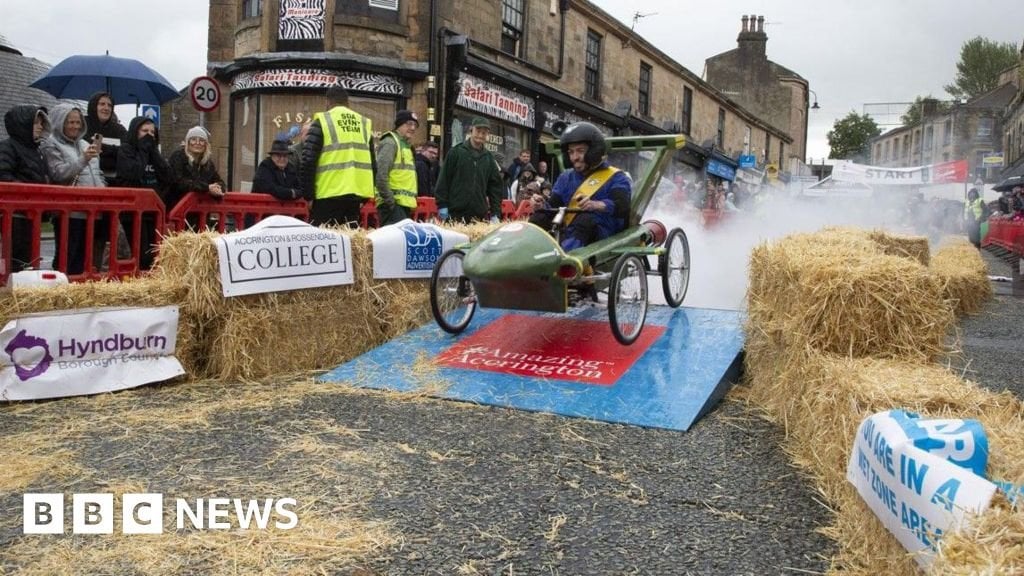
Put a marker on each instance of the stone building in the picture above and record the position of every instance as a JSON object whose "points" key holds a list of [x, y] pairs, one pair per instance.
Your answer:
{"points": [[524, 64], [770, 91], [968, 131], [1013, 122]]}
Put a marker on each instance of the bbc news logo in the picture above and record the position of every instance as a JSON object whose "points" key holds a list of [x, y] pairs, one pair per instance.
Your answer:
{"points": [[94, 513]]}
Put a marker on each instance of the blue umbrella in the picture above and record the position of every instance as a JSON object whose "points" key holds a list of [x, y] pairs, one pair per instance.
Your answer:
{"points": [[128, 81]]}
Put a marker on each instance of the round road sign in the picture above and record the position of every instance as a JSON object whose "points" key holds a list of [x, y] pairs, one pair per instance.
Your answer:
{"points": [[205, 94]]}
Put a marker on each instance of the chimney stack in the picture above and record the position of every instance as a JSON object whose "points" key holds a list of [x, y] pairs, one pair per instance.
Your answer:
{"points": [[752, 39]]}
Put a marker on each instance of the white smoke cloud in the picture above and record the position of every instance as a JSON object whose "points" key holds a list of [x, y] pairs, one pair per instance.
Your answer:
{"points": [[720, 253]]}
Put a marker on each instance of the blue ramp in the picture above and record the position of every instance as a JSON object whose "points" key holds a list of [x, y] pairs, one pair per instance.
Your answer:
{"points": [[568, 364]]}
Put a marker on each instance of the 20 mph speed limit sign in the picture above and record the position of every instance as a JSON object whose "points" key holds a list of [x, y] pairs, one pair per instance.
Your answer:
{"points": [[205, 94]]}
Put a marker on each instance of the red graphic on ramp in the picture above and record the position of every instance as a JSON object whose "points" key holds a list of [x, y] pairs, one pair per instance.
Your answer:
{"points": [[555, 348]]}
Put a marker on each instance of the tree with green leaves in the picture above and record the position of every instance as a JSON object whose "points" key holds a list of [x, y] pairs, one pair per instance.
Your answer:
{"points": [[849, 137], [981, 61], [916, 110]]}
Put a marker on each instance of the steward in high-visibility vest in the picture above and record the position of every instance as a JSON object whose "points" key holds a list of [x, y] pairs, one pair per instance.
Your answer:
{"points": [[336, 169], [974, 215], [396, 171]]}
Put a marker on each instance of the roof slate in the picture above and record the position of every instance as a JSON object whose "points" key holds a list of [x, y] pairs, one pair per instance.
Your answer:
{"points": [[16, 73]]}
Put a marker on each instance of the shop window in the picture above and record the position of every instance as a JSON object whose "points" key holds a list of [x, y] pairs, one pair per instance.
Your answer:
{"points": [[386, 11], [512, 27], [252, 9], [592, 68], [687, 110], [259, 119], [504, 142], [644, 96], [767, 147], [720, 137], [782, 155]]}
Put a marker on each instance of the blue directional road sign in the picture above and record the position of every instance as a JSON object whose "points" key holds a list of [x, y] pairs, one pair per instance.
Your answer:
{"points": [[152, 112]]}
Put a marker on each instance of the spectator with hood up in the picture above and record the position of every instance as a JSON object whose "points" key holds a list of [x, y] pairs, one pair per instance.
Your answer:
{"points": [[140, 165], [21, 161], [102, 120], [192, 169], [72, 161]]}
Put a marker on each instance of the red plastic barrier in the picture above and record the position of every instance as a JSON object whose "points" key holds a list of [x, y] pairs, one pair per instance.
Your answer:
{"points": [[368, 217], [1006, 234], [524, 210], [25, 207], [235, 211], [426, 209], [508, 209]]}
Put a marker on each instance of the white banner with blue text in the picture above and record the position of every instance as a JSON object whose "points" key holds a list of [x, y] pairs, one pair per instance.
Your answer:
{"points": [[920, 476]]}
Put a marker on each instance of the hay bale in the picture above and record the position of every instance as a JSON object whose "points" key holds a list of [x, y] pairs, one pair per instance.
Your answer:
{"points": [[821, 399], [990, 544], [835, 292], [260, 335], [144, 292], [963, 275], [913, 247]]}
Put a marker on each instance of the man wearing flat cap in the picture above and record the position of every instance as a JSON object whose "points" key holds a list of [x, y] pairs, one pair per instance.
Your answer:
{"points": [[336, 167], [396, 170], [469, 187]]}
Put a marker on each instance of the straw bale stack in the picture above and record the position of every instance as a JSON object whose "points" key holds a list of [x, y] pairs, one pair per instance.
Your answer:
{"points": [[141, 292], [838, 331], [835, 292], [963, 275]]}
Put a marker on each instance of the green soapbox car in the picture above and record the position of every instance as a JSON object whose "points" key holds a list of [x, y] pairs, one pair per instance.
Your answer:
{"points": [[520, 266]]}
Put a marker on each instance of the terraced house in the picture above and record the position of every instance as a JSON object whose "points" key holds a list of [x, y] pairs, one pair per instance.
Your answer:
{"points": [[524, 64]]}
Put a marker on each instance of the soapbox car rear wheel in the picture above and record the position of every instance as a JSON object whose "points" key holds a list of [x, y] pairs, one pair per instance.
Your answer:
{"points": [[674, 267], [627, 298], [452, 298]]}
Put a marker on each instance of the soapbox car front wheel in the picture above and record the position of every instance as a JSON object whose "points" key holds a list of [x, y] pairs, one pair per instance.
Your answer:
{"points": [[452, 298], [674, 267], [627, 298]]}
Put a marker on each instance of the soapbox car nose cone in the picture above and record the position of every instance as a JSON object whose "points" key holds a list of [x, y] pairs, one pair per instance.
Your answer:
{"points": [[517, 249]]}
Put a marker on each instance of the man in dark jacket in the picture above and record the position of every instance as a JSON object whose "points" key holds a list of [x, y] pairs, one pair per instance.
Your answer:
{"points": [[469, 186], [102, 120], [276, 175], [426, 168], [21, 161], [140, 165]]}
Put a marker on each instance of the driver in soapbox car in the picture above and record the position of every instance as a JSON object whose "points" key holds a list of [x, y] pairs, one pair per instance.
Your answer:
{"points": [[597, 194]]}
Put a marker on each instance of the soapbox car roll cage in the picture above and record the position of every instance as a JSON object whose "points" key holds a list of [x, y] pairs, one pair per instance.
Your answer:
{"points": [[520, 266]]}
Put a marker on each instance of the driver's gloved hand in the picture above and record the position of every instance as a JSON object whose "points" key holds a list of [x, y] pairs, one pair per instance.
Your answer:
{"points": [[442, 213]]}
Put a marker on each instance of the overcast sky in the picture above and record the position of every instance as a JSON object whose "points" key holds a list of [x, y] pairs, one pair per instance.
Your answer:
{"points": [[853, 52]]}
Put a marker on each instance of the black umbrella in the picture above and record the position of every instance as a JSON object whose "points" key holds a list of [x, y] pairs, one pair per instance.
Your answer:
{"points": [[1009, 184]]}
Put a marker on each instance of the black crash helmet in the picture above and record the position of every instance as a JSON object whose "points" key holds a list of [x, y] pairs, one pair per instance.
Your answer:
{"points": [[586, 133]]}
